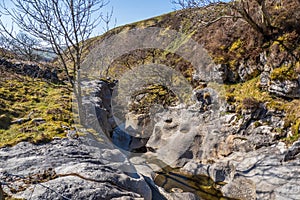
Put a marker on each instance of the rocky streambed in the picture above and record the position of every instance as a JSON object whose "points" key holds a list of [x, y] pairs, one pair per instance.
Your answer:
{"points": [[187, 152]]}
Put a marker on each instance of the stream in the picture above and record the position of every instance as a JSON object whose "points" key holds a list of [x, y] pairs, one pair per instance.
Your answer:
{"points": [[172, 180]]}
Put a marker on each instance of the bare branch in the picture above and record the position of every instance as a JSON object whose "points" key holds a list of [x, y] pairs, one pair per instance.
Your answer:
{"points": [[241, 9], [64, 25], [107, 19]]}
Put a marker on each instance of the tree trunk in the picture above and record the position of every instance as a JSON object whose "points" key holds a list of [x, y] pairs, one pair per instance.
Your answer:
{"points": [[1, 193], [78, 95], [266, 18], [251, 22]]}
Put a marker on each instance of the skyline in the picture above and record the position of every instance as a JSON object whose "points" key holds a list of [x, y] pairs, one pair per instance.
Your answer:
{"points": [[136, 10], [124, 12]]}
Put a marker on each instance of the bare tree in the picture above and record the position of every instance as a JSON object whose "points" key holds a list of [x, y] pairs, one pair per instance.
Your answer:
{"points": [[238, 9], [4, 42], [107, 20], [25, 45], [21, 44], [65, 25], [1, 192]]}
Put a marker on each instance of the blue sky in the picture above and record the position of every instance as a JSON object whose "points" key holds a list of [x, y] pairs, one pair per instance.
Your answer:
{"points": [[128, 11]]}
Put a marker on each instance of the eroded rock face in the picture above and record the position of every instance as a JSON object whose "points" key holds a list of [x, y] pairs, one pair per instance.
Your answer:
{"points": [[273, 178], [241, 151], [74, 169], [282, 88], [242, 71], [240, 188], [182, 134], [238, 151], [194, 133], [286, 88], [260, 174], [96, 103]]}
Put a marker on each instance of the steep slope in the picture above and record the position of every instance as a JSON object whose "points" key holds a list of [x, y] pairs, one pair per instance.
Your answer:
{"points": [[263, 69], [236, 140], [245, 144]]}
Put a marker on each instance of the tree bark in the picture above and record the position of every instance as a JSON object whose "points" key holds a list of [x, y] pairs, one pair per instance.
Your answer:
{"points": [[1, 193]]}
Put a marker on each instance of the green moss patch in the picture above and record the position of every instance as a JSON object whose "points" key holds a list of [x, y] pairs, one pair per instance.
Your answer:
{"points": [[32, 110], [154, 94], [286, 72], [248, 95]]}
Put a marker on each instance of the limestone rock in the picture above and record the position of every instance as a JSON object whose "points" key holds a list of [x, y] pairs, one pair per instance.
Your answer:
{"points": [[265, 80], [96, 106], [75, 169], [259, 174], [139, 125], [240, 188], [272, 178], [20, 121], [239, 151], [247, 71], [286, 88], [222, 172], [293, 152], [31, 70]]}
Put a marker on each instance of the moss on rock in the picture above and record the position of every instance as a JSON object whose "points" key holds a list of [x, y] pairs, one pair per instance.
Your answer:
{"points": [[285, 72]]}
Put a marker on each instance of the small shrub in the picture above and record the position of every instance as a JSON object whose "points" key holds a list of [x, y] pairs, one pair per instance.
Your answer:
{"points": [[279, 130], [236, 45], [250, 103], [286, 72], [257, 124], [230, 98], [4, 121], [295, 128]]}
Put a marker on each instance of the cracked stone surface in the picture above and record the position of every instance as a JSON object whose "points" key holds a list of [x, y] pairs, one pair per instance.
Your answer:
{"points": [[69, 169]]}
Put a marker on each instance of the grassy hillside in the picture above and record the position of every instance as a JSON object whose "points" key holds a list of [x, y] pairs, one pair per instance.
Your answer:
{"points": [[32, 109], [231, 43], [45, 108]]}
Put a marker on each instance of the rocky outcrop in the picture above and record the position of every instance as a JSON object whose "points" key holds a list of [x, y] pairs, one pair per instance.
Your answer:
{"points": [[69, 169], [269, 176], [286, 88], [96, 103], [237, 150], [31, 70], [260, 174], [283, 87], [243, 70], [244, 150], [293, 152], [194, 133], [246, 71]]}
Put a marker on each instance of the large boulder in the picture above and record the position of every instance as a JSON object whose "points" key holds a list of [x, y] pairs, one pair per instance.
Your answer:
{"points": [[70, 169]]}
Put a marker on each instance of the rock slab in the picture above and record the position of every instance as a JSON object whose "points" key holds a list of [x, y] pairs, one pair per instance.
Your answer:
{"points": [[70, 169]]}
